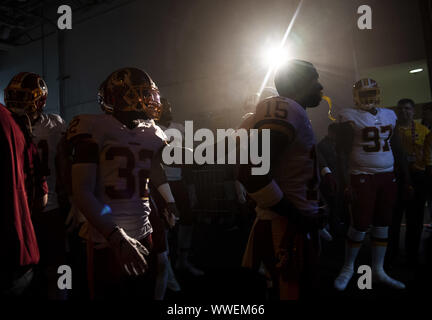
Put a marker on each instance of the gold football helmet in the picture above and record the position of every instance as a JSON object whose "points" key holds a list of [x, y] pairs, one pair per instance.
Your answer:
{"points": [[26, 93], [130, 89], [366, 94]]}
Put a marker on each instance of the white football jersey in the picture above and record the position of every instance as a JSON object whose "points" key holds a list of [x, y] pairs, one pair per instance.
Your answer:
{"points": [[124, 165], [47, 132], [174, 174], [371, 151], [296, 171]]}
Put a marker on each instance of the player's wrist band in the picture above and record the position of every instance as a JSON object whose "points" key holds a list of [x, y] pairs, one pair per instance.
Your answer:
{"points": [[267, 196], [165, 191]]}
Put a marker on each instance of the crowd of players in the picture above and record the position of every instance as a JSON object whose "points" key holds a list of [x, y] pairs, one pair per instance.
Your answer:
{"points": [[96, 191]]}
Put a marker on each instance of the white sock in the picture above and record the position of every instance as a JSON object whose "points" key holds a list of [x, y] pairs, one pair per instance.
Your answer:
{"points": [[379, 248], [352, 248]]}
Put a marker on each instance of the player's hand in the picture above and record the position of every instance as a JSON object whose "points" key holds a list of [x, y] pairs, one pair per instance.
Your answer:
{"points": [[130, 252], [170, 214]]}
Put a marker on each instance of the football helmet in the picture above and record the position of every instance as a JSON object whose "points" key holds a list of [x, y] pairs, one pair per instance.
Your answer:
{"points": [[26, 93], [366, 94], [100, 95], [130, 89]]}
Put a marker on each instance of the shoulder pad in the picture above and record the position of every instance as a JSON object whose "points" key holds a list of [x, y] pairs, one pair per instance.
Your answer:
{"points": [[279, 114], [81, 125], [160, 133], [56, 121], [247, 121], [345, 115]]}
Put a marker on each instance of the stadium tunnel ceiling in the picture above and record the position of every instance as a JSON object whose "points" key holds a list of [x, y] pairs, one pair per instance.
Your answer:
{"points": [[395, 22], [25, 21]]}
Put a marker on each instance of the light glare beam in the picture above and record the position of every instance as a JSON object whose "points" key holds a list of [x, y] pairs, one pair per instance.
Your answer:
{"points": [[275, 56], [280, 48]]}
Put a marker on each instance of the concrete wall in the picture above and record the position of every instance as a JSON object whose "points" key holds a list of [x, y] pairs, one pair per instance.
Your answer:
{"points": [[396, 82], [29, 58]]}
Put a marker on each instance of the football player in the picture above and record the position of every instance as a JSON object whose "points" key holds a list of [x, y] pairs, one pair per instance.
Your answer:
{"points": [[364, 136], [184, 194], [24, 188], [285, 233], [47, 130], [249, 108], [114, 156]]}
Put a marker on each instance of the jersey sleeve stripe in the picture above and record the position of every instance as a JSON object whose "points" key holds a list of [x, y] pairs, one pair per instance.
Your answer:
{"points": [[277, 125]]}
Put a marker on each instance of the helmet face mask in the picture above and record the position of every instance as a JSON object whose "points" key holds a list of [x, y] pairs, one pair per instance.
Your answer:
{"points": [[366, 94], [26, 93], [130, 90]]}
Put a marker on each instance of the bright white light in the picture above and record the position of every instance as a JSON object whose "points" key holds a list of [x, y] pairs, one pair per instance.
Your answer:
{"points": [[416, 70], [282, 44], [275, 56]]}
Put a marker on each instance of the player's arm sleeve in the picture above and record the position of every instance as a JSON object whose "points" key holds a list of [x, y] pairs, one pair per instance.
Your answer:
{"points": [[283, 125], [158, 177], [83, 185], [157, 173], [80, 138], [84, 175], [263, 188]]}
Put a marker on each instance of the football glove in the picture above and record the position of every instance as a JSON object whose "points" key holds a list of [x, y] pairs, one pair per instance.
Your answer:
{"points": [[129, 251]]}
